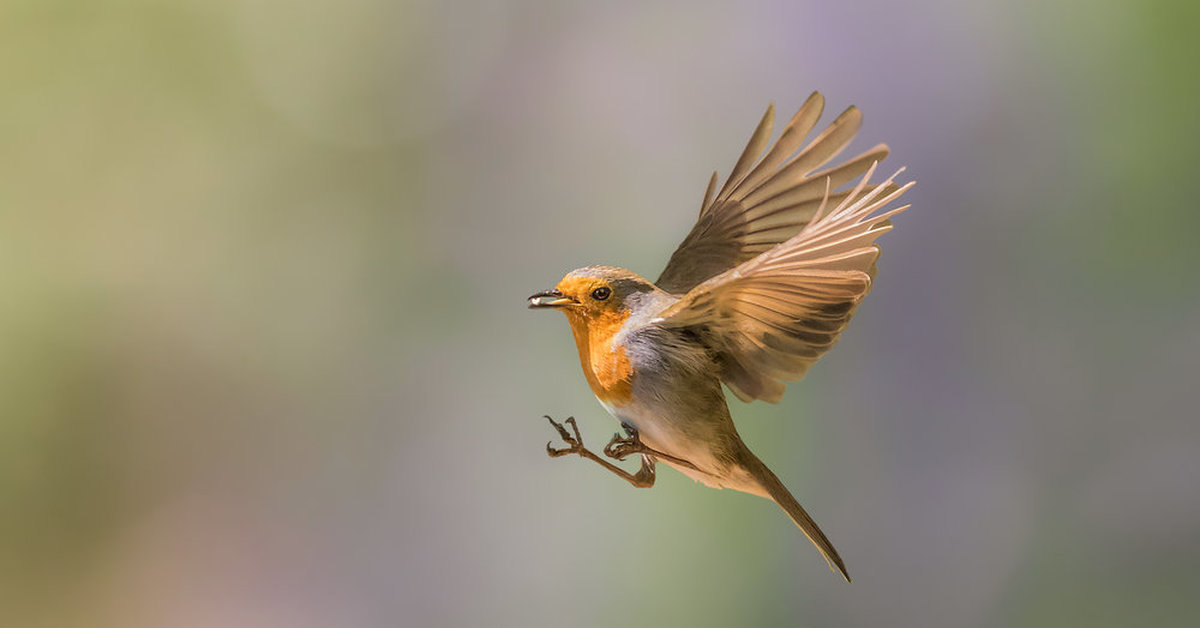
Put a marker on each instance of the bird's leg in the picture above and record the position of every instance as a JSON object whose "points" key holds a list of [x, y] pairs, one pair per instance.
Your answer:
{"points": [[644, 478], [621, 447]]}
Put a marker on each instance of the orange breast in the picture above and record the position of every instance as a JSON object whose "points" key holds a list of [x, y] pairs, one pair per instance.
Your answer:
{"points": [[605, 364]]}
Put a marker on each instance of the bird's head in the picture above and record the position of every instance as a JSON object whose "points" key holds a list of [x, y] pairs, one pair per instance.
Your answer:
{"points": [[595, 295]]}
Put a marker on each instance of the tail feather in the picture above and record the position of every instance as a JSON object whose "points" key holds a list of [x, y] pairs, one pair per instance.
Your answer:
{"points": [[778, 492]]}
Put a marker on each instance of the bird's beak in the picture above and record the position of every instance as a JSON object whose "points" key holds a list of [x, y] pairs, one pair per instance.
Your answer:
{"points": [[549, 298]]}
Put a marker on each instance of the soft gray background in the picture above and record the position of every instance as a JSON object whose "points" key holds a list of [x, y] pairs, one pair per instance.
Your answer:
{"points": [[265, 361]]}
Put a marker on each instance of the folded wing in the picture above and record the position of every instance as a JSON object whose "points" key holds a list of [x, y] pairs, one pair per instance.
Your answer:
{"points": [[769, 196], [772, 317]]}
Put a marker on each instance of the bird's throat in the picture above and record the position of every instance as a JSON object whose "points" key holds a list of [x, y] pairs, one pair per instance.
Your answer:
{"points": [[605, 363]]}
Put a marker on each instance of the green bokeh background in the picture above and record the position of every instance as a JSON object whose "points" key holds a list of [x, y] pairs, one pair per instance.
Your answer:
{"points": [[264, 357]]}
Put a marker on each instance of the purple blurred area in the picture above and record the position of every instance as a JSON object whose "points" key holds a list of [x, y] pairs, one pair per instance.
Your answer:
{"points": [[265, 358]]}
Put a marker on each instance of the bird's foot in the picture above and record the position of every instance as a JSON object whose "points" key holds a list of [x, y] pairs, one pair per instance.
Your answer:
{"points": [[574, 441], [621, 447], [644, 478]]}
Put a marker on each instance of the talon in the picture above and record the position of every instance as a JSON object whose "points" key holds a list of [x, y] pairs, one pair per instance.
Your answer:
{"points": [[618, 448], [562, 431], [574, 428], [612, 448], [575, 443], [621, 447]]}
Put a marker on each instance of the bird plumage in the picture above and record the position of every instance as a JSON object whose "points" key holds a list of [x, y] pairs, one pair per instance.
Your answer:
{"points": [[761, 287]]}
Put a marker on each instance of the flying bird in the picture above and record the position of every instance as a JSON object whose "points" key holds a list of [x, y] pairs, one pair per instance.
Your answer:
{"points": [[762, 286]]}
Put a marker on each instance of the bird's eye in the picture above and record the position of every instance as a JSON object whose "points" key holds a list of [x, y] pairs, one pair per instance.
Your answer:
{"points": [[601, 293]]}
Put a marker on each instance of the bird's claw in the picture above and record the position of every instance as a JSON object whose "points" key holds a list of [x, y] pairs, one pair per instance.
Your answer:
{"points": [[644, 477], [575, 441], [621, 447]]}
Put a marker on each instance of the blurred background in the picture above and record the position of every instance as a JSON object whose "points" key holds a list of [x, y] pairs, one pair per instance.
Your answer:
{"points": [[265, 358]]}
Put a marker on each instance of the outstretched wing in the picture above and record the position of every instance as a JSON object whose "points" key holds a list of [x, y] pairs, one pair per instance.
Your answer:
{"points": [[769, 196], [769, 319]]}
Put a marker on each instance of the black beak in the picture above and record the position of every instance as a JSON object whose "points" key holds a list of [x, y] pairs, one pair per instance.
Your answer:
{"points": [[549, 298]]}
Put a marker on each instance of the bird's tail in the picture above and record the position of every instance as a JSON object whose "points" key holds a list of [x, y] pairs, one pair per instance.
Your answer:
{"points": [[779, 493]]}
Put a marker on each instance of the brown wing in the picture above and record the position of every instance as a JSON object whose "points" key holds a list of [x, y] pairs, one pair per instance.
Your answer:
{"points": [[769, 196], [772, 317]]}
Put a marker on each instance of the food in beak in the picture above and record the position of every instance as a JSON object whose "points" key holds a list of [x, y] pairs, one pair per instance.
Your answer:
{"points": [[549, 298]]}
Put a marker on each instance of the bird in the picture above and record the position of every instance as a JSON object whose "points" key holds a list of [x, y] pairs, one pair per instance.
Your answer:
{"points": [[761, 287]]}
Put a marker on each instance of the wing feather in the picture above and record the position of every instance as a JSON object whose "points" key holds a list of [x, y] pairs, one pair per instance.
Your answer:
{"points": [[788, 143], [770, 195], [772, 317], [823, 148], [758, 140]]}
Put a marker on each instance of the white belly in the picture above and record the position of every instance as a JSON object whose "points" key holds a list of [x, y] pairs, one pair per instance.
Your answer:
{"points": [[659, 432]]}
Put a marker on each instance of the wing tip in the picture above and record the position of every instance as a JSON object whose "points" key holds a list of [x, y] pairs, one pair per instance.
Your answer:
{"points": [[815, 100], [768, 119], [708, 193], [850, 112]]}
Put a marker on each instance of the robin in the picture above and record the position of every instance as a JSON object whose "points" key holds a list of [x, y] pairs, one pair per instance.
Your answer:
{"points": [[762, 286]]}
